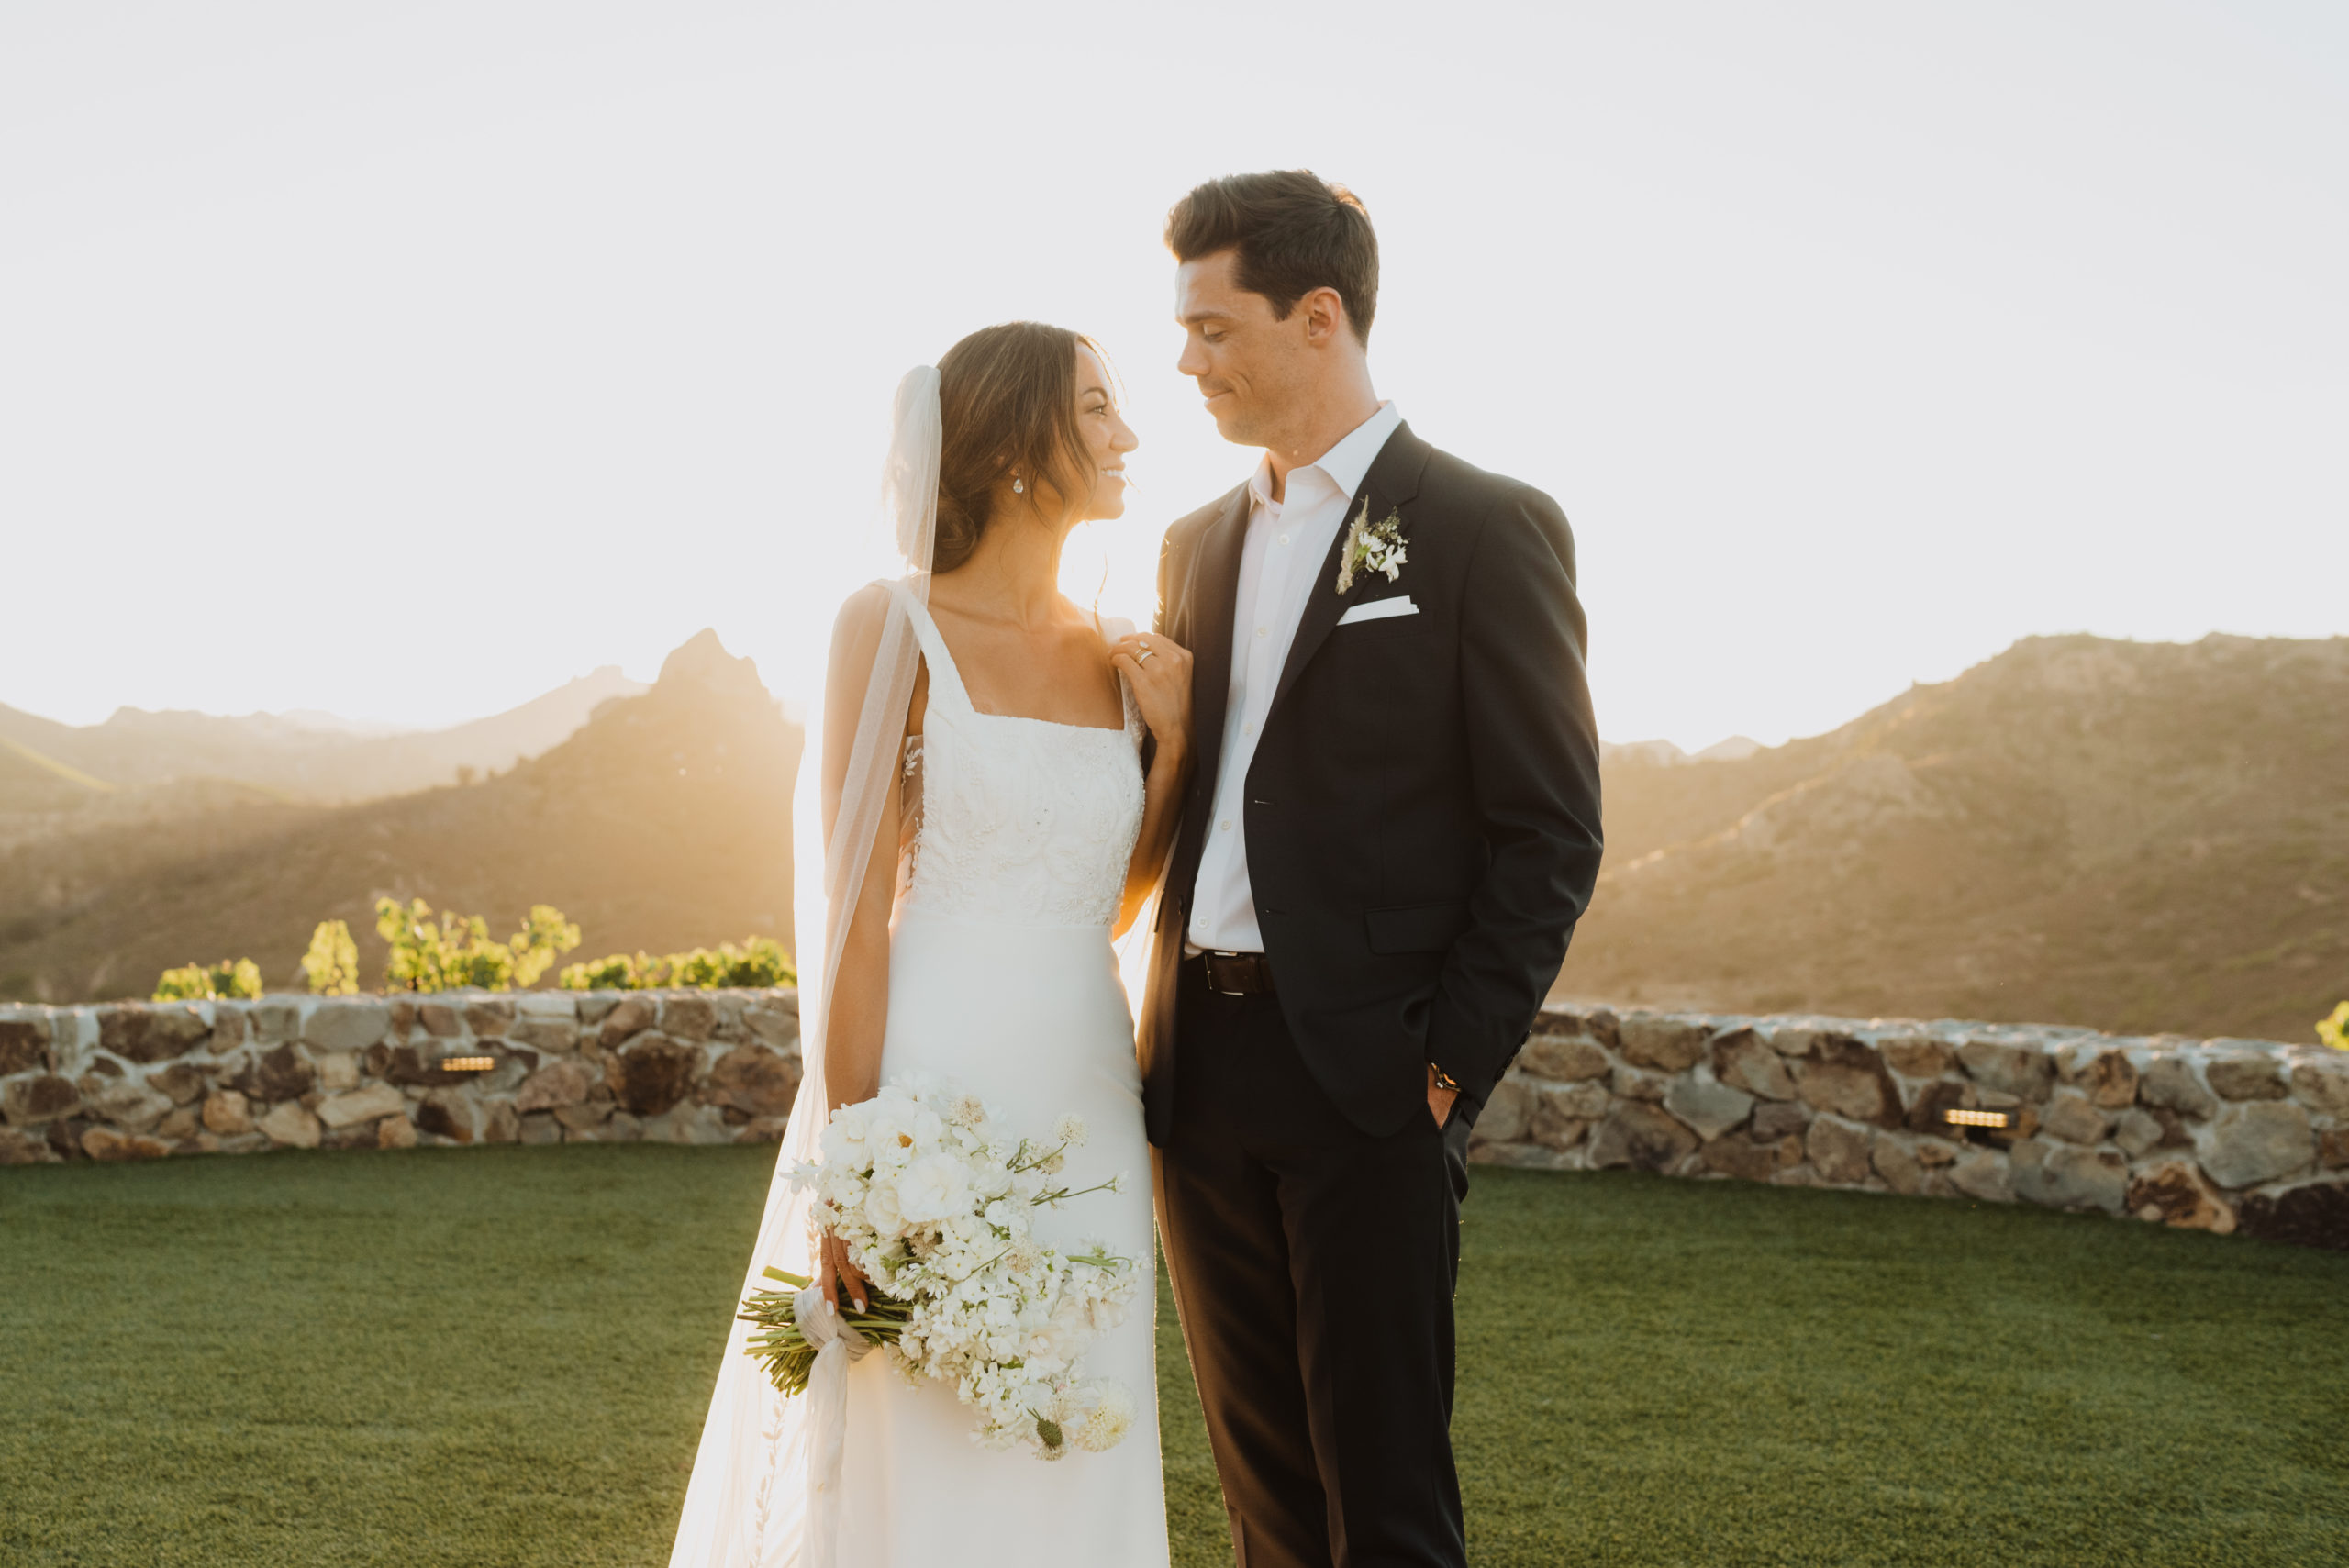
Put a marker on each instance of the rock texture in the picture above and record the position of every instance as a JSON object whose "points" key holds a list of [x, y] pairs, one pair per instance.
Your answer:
{"points": [[2226, 1135], [2230, 1135], [136, 1081]]}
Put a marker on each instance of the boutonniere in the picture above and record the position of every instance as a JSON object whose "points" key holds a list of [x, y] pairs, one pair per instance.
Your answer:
{"points": [[1376, 547]]}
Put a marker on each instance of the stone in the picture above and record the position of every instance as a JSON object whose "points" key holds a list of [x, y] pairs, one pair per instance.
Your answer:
{"points": [[2246, 1078], [2107, 1077], [1838, 1152], [404, 1065], [183, 1083], [227, 1113], [2177, 1193], [2332, 1149], [1918, 1056], [1631, 1083], [151, 1034], [65, 1136], [2011, 1068], [594, 1005], [2323, 1089], [2062, 1177], [2313, 1216], [583, 1118], [403, 1016], [279, 1074], [1982, 1174], [338, 1071], [1899, 1166], [540, 1129], [105, 1143], [1844, 1077], [1664, 1043], [1708, 1107], [687, 1017], [773, 1026], [489, 1017], [396, 1132], [126, 1102], [230, 1024], [1568, 1059], [347, 1023], [1641, 1136], [502, 1124], [768, 1129], [2072, 1119], [370, 1104], [753, 1079], [2137, 1133], [1517, 1156], [549, 1035], [564, 1082], [2258, 1142], [23, 1045], [623, 1129], [292, 1126], [1560, 1109], [1932, 1152], [1776, 1119], [1743, 1059], [1750, 1157], [441, 1020], [1507, 1114], [18, 1147], [178, 1125], [2169, 1082], [1793, 1039], [448, 1113], [276, 1021], [631, 1018]]}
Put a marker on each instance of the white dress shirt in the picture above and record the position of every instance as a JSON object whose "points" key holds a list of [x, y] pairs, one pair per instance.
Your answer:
{"points": [[1288, 543]]}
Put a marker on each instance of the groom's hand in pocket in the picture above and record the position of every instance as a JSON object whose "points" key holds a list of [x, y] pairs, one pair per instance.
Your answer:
{"points": [[1440, 1098]]}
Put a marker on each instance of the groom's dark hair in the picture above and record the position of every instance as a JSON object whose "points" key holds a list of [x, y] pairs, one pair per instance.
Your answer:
{"points": [[1291, 232]]}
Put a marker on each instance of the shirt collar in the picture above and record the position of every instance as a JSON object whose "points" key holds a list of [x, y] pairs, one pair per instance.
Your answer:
{"points": [[1343, 465]]}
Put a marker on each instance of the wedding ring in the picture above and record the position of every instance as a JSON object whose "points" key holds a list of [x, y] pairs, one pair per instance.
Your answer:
{"points": [[1143, 657]]}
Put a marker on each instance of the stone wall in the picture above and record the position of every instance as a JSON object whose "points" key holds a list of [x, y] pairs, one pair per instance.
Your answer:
{"points": [[2221, 1135], [139, 1081]]}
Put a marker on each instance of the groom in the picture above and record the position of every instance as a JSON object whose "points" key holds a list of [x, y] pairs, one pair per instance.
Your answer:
{"points": [[1392, 829]]}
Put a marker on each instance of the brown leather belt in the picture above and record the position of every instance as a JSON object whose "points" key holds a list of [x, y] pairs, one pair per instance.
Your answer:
{"points": [[1237, 973]]}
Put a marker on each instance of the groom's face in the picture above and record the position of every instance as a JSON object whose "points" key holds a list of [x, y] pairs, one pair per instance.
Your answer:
{"points": [[1251, 366]]}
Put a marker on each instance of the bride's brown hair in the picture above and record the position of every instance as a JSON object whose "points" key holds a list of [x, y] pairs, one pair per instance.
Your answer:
{"points": [[1006, 404]]}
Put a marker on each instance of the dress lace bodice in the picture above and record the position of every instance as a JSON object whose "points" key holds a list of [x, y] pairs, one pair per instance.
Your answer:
{"points": [[1018, 821]]}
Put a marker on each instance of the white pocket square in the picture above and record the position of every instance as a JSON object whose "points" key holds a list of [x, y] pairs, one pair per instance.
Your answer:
{"points": [[1380, 610]]}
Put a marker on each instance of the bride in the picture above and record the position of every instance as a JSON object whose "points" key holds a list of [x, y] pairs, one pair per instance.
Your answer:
{"points": [[987, 825]]}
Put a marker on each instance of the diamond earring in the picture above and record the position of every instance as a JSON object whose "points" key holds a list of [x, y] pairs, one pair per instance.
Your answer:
{"points": [[1019, 487]]}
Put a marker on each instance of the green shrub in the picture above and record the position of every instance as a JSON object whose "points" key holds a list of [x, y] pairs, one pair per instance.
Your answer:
{"points": [[2334, 1030], [237, 978], [333, 963], [760, 962], [456, 950]]}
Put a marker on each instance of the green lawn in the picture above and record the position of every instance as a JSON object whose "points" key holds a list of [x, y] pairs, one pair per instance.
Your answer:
{"points": [[499, 1356]]}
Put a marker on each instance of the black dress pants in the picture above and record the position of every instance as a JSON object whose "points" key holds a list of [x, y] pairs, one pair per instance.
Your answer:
{"points": [[1313, 1268]]}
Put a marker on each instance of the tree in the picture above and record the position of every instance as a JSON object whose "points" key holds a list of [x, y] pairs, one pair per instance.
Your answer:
{"points": [[228, 978], [456, 950], [333, 963]]}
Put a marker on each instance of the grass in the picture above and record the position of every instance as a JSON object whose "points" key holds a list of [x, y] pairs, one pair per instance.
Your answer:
{"points": [[499, 1357]]}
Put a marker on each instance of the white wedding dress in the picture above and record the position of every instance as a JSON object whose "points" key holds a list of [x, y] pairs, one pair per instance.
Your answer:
{"points": [[1002, 979]]}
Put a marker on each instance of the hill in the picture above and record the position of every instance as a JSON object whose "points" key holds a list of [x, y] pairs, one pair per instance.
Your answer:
{"points": [[664, 822], [311, 757], [2140, 837]]}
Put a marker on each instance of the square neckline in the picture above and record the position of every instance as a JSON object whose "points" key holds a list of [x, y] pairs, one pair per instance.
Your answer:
{"points": [[927, 631]]}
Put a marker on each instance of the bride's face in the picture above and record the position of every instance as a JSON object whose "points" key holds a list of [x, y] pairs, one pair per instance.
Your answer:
{"points": [[1108, 439]]}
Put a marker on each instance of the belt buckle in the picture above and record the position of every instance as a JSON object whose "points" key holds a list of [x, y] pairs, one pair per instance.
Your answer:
{"points": [[1212, 986]]}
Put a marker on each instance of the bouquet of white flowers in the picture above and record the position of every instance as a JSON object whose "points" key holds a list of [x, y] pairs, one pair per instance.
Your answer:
{"points": [[934, 1209]]}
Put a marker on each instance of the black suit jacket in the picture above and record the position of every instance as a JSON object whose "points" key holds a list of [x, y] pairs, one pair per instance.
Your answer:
{"points": [[1422, 807]]}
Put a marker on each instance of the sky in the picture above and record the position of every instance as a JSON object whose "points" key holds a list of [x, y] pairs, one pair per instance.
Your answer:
{"points": [[406, 362]]}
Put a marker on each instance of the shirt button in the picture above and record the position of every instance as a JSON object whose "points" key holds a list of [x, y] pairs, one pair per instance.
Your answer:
{"points": [[1247, 729], [1260, 631], [1225, 825], [1284, 539]]}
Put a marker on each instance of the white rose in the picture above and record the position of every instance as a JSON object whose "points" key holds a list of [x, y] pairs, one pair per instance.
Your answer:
{"points": [[933, 1187], [883, 1208]]}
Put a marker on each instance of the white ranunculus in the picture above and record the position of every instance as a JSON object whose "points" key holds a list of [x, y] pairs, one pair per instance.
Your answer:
{"points": [[933, 1187]]}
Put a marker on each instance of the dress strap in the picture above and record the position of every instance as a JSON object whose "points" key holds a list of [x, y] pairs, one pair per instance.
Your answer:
{"points": [[944, 678]]}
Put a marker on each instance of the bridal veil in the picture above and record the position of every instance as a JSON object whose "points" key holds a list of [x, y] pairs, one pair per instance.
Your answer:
{"points": [[753, 1496]]}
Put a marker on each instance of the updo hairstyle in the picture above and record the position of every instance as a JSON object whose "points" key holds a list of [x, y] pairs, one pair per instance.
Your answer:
{"points": [[1006, 401]]}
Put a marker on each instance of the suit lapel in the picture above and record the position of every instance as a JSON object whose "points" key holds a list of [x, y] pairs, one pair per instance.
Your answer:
{"points": [[1393, 481]]}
